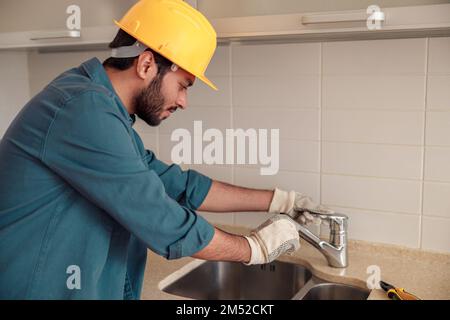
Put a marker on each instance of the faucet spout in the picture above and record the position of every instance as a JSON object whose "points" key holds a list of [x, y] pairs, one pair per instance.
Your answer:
{"points": [[335, 250]]}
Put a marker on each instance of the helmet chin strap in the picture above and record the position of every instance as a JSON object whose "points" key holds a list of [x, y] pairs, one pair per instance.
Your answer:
{"points": [[133, 51]]}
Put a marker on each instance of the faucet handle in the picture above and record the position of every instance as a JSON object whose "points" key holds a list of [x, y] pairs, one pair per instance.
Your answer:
{"points": [[330, 217], [337, 223]]}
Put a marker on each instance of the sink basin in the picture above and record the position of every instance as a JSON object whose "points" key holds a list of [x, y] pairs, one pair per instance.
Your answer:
{"points": [[235, 281], [334, 291], [212, 280]]}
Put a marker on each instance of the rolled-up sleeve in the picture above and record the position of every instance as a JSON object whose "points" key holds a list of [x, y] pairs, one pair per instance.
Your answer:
{"points": [[188, 187], [92, 148]]}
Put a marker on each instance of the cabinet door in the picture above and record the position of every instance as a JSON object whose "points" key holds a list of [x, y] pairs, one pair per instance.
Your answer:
{"points": [[241, 8], [30, 15]]}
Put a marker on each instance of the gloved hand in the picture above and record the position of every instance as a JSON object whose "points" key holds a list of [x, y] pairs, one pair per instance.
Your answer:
{"points": [[298, 206], [271, 239]]}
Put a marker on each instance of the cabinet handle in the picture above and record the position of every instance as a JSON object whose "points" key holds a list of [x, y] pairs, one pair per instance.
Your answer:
{"points": [[56, 34], [341, 17]]}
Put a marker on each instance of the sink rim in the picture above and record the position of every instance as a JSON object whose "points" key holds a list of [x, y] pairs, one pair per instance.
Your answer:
{"points": [[176, 275]]}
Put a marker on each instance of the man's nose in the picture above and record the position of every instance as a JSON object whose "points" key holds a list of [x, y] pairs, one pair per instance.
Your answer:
{"points": [[182, 100]]}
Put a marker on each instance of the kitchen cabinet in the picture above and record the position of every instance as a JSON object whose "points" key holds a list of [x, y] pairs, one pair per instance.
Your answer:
{"points": [[241, 8], [30, 23], [26, 15]]}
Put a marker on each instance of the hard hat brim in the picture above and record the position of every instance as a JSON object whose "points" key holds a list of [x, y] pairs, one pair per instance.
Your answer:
{"points": [[208, 82]]}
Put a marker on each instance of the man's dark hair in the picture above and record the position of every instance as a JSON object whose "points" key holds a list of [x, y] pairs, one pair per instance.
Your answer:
{"points": [[124, 39]]}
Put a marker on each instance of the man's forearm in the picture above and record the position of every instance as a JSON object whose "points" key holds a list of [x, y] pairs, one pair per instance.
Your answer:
{"points": [[225, 247], [224, 197]]}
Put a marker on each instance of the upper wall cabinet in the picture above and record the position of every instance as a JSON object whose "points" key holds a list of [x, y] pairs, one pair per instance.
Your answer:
{"points": [[31, 23], [323, 20], [244, 8], [68, 24]]}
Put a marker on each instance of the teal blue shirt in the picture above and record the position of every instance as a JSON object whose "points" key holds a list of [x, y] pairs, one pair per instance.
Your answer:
{"points": [[79, 190]]}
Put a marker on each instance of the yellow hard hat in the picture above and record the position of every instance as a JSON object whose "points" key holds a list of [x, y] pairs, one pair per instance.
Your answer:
{"points": [[176, 31]]}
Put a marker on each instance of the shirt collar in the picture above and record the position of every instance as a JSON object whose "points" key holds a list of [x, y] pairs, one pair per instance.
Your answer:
{"points": [[97, 73]]}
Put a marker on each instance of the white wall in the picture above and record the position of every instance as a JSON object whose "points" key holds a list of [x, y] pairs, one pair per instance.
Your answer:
{"points": [[14, 88], [364, 127], [44, 67]]}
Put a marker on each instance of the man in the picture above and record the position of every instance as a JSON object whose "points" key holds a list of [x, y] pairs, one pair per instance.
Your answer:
{"points": [[81, 199]]}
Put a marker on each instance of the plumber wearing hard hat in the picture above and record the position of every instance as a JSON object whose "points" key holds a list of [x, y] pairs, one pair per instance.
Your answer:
{"points": [[80, 196]]}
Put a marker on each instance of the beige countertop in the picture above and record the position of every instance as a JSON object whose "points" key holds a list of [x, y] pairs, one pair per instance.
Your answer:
{"points": [[423, 273]]}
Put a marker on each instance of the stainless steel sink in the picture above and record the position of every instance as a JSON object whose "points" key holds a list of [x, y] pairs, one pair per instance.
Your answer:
{"points": [[235, 281], [334, 291], [278, 280]]}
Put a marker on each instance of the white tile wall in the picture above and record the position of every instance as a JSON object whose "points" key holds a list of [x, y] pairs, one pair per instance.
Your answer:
{"points": [[438, 93], [301, 124], [436, 203], [437, 160], [435, 234], [387, 92], [373, 126], [200, 95], [438, 56], [385, 227], [294, 91], [276, 59], [372, 193], [44, 67], [379, 57], [275, 76], [368, 137], [298, 155], [142, 128], [373, 160], [364, 128], [14, 87], [291, 180], [438, 128], [436, 199], [151, 142], [294, 155], [211, 117]]}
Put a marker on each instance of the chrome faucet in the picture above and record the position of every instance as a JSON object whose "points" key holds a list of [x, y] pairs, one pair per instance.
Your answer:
{"points": [[335, 251]]}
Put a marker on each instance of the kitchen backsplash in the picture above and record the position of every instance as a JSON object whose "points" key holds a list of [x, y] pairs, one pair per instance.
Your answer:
{"points": [[14, 86], [364, 127]]}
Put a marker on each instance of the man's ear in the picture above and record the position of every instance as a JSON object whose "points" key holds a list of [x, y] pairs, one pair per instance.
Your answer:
{"points": [[146, 66]]}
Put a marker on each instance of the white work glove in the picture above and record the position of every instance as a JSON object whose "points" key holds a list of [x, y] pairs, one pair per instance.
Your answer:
{"points": [[276, 236], [298, 206]]}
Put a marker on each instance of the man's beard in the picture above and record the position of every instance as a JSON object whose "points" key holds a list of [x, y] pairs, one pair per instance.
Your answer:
{"points": [[149, 102]]}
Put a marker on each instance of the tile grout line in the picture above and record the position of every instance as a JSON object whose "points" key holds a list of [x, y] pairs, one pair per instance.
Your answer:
{"points": [[296, 108], [320, 230], [422, 196], [381, 144], [363, 210], [336, 174], [230, 83], [320, 119]]}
